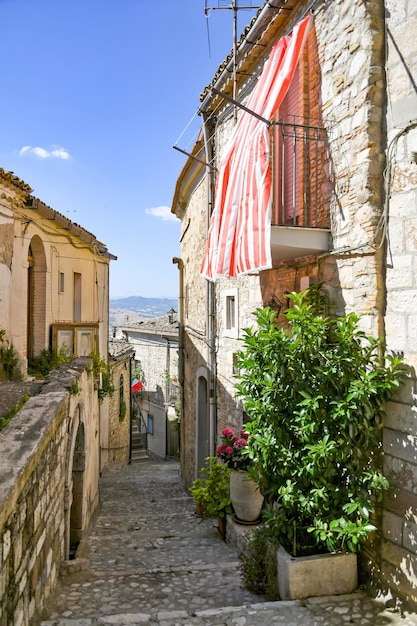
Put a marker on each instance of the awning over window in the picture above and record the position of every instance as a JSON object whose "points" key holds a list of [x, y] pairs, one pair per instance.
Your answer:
{"points": [[239, 234]]}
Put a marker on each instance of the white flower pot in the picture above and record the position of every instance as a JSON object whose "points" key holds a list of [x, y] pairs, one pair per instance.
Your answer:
{"points": [[246, 498]]}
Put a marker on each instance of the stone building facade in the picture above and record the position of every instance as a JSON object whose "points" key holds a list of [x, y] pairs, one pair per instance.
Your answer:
{"points": [[154, 343], [354, 92], [54, 284], [54, 280], [54, 277], [118, 445]]}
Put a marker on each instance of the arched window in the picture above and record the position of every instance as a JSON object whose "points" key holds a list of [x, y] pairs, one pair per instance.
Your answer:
{"points": [[122, 402]]}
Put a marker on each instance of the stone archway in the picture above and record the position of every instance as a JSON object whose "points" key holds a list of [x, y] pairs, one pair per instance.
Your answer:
{"points": [[74, 486], [36, 298], [203, 419]]}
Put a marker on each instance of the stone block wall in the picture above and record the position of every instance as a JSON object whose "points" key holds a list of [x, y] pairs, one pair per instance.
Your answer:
{"points": [[36, 468], [195, 352], [399, 552], [119, 426]]}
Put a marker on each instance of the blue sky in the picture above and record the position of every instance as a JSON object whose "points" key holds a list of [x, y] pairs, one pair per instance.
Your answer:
{"points": [[94, 94]]}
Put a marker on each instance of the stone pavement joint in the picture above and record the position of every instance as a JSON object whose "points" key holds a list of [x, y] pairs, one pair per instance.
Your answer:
{"points": [[150, 561]]}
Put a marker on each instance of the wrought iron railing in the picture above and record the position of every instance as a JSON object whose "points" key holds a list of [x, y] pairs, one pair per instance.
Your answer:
{"points": [[300, 173]]}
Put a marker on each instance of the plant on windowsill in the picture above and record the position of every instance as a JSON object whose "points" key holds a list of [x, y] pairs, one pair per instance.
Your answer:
{"points": [[315, 394], [211, 491]]}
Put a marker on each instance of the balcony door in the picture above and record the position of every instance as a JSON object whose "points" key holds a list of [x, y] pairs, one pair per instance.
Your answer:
{"points": [[300, 162]]}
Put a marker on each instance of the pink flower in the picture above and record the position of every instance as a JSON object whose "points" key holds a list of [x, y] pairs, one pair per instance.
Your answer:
{"points": [[221, 449], [233, 450]]}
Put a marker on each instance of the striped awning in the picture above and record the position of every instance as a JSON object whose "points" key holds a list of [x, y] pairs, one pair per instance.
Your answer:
{"points": [[239, 236]]}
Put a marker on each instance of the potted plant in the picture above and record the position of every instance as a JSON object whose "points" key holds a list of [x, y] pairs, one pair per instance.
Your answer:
{"points": [[246, 497], [211, 492], [315, 394]]}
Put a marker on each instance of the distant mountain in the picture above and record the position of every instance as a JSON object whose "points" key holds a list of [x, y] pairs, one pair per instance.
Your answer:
{"points": [[129, 309]]}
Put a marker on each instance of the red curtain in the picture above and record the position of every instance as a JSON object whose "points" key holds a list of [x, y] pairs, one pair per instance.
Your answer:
{"points": [[239, 237]]}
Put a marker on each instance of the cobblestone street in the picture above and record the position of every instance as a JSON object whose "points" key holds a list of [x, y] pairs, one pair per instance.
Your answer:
{"points": [[149, 560]]}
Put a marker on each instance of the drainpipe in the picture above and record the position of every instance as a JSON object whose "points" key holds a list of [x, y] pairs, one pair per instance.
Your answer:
{"points": [[180, 264], [210, 295]]}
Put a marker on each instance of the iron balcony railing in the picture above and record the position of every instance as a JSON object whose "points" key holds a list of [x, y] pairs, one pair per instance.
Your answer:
{"points": [[300, 173]]}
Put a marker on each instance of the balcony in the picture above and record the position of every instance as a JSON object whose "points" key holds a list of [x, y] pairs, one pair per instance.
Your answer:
{"points": [[301, 189]]}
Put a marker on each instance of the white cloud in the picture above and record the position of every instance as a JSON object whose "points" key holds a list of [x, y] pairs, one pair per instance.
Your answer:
{"points": [[41, 153], [164, 212]]}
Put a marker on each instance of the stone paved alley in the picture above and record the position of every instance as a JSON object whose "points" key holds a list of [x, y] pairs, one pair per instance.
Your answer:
{"points": [[150, 561]]}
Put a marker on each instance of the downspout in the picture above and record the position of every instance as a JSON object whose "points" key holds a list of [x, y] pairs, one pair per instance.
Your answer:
{"points": [[180, 264], [130, 408], [210, 297]]}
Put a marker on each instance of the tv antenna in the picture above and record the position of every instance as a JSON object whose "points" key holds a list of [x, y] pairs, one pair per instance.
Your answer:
{"points": [[235, 6]]}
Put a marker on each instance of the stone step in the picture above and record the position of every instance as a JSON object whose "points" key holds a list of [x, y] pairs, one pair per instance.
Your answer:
{"points": [[137, 455], [357, 608], [261, 614]]}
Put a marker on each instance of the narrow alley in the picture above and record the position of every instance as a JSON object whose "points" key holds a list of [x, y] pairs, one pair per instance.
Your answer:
{"points": [[150, 561]]}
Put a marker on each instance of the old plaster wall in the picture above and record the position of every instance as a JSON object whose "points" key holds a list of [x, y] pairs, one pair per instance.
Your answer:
{"points": [[247, 294], [38, 262], [49, 461]]}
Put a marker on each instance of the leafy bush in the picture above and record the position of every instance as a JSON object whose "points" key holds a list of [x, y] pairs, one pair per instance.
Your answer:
{"points": [[315, 395], [102, 371], [9, 359], [258, 562], [211, 490], [48, 360]]}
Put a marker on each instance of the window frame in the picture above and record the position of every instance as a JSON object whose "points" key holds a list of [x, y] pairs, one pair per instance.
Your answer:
{"points": [[231, 326]]}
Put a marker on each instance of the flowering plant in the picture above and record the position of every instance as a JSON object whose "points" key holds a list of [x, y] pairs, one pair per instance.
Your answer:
{"points": [[233, 449]]}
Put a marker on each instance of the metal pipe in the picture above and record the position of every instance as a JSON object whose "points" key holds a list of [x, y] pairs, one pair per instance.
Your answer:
{"points": [[211, 301], [254, 33]]}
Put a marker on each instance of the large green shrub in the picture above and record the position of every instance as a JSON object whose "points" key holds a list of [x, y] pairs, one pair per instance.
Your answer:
{"points": [[315, 394]]}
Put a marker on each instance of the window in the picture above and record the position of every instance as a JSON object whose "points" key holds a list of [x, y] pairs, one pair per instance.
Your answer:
{"points": [[75, 339], [236, 370], [150, 424], [299, 148], [61, 283], [231, 313]]}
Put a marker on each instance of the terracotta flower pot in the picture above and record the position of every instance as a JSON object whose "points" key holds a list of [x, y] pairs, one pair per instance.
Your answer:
{"points": [[246, 498]]}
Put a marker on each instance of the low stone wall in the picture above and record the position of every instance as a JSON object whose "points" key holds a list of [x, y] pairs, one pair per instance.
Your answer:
{"points": [[36, 470]]}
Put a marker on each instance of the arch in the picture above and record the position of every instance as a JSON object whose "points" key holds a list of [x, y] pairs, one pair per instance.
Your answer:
{"points": [[203, 418], [74, 485], [36, 298], [122, 402]]}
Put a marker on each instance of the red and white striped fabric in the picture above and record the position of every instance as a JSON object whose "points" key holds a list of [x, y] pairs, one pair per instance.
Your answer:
{"points": [[239, 237]]}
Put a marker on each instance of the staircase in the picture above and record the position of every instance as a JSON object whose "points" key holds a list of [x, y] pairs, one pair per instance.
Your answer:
{"points": [[138, 451]]}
